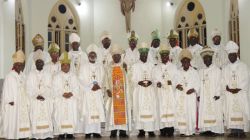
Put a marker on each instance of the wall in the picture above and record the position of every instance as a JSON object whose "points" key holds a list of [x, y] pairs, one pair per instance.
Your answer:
{"points": [[8, 38], [1, 41], [244, 30]]}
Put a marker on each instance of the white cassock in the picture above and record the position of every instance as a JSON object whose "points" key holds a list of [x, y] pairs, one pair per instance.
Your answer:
{"points": [[15, 119], [106, 57], [53, 68], [166, 94], [65, 110], [210, 110], [39, 83], [236, 106], [196, 62], [145, 114], [78, 58], [130, 58], [93, 104], [174, 55], [220, 57], [186, 104], [153, 55], [30, 65], [110, 124]]}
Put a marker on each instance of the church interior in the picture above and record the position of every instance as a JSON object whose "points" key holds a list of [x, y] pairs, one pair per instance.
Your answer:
{"points": [[21, 20]]}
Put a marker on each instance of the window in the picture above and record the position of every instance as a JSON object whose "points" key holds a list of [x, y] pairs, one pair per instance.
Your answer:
{"points": [[62, 21], [190, 15], [234, 33], [20, 34]]}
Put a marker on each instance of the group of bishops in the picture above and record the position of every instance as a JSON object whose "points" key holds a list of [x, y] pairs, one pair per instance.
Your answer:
{"points": [[143, 89]]}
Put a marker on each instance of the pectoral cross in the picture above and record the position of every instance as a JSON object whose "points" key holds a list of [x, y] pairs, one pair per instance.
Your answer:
{"points": [[39, 86], [93, 75], [234, 75], [145, 76]]}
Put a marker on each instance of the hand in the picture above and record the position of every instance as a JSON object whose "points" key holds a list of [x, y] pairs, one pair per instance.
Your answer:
{"points": [[159, 84], [109, 93], [169, 82], [148, 83], [190, 91], [125, 67], [233, 91], [141, 83], [96, 87], [11, 103], [179, 87], [216, 97], [65, 95], [40, 98]]}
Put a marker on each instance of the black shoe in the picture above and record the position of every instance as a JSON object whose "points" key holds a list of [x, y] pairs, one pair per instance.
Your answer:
{"points": [[163, 132], [170, 131], [96, 135], [151, 134], [113, 134], [48, 139], [141, 134], [242, 135], [70, 136], [232, 135], [87, 136], [123, 134]]}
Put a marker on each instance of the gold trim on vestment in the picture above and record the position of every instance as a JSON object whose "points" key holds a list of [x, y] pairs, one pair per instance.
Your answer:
{"points": [[182, 123], [146, 116], [42, 127], [209, 121], [237, 119], [66, 126], [24, 129], [95, 117], [167, 115]]}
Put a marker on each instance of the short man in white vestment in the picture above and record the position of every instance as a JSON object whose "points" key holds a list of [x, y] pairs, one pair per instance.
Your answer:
{"points": [[38, 87], [155, 45], [92, 79], [188, 85], [164, 77], [145, 113], [210, 100], [66, 94], [173, 40], [235, 84], [15, 102]]}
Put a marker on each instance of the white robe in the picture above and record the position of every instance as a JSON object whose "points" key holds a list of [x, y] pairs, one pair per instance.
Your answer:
{"points": [[145, 114], [174, 56], [66, 110], [30, 64], [210, 110], [166, 94], [236, 106], [130, 58], [196, 62], [110, 125], [106, 57], [153, 55], [16, 121], [220, 57], [93, 104], [39, 83], [186, 104], [53, 68], [78, 58]]}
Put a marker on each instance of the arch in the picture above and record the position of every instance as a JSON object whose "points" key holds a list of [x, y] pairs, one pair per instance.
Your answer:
{"points": [[62, 21], [19, 23], [190, 14]]}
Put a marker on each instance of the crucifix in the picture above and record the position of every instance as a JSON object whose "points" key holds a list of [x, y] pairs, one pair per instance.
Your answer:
{"points": [[126, 7]]}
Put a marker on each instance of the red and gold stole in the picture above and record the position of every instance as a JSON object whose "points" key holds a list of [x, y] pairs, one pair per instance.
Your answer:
{"points": [[118, 95]]}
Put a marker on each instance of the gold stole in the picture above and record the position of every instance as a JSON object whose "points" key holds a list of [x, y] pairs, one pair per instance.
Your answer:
{"points": [[118, 95]]}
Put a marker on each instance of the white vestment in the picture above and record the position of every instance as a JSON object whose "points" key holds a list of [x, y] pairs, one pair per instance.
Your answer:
{"points": [[110, 124], [53, 68], [145, 114], [65, 110], [78, 58], [174, 55], [236, 106], [106, 57], [39, 83], [30, 64], [220, 57], [130, 58], [15, 119], [186, 104], [210, 110], [196, 62], [93, 104], [166, 94], [153, 55]]}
